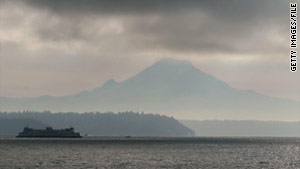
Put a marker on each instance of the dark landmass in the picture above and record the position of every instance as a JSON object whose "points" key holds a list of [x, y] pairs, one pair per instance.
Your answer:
{"points": [[11, 126], [99, 124], [170, 87], [243, 128]]}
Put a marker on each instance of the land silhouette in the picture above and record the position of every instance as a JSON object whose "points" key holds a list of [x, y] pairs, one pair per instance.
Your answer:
{"points": [[139, 124], [169, 87], [96, 124], [242, 128]]}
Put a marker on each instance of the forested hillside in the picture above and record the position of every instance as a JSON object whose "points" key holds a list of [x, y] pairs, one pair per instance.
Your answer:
{"points": [[102, 124]]}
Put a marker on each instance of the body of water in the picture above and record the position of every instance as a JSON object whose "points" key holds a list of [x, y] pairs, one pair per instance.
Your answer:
{"points": [[149, 152]]}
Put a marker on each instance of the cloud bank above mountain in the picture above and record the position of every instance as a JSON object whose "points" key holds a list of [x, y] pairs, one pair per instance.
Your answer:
{"points": [[244, 43]]}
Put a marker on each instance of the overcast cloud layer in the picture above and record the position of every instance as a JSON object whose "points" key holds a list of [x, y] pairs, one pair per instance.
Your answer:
{"points": [[56, 47]]}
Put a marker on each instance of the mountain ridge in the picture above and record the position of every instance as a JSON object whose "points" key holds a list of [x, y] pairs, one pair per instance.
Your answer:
{"points": [[170, 87]]}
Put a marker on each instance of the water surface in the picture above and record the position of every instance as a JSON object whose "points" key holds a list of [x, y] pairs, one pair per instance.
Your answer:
{"points": [[149, 152]]}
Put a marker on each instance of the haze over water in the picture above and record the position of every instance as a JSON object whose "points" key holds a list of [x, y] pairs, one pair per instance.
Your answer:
{"points": [[150, 152]]}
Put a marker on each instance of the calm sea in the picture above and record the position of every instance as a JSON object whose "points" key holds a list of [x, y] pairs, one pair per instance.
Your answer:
{"points": [[150, 152]]}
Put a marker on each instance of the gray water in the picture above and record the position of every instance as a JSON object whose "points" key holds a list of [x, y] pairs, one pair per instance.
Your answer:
{"points": [[149, 152]]}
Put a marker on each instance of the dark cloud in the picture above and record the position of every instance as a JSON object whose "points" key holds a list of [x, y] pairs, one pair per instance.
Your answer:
{"points": [[229, 11], [182, 26], [226, 8], [200, 32], [105, 6]]}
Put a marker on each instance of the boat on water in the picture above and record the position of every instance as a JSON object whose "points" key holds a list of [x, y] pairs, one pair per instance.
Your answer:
{"points": [[49, 132]]}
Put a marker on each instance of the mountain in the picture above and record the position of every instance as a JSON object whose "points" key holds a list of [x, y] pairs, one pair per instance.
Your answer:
{"points": [[100, 124], [170, 87], [242, 128]]}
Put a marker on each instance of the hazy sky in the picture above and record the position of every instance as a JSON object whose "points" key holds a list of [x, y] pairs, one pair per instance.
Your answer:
{"points": [[55, 47]]}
